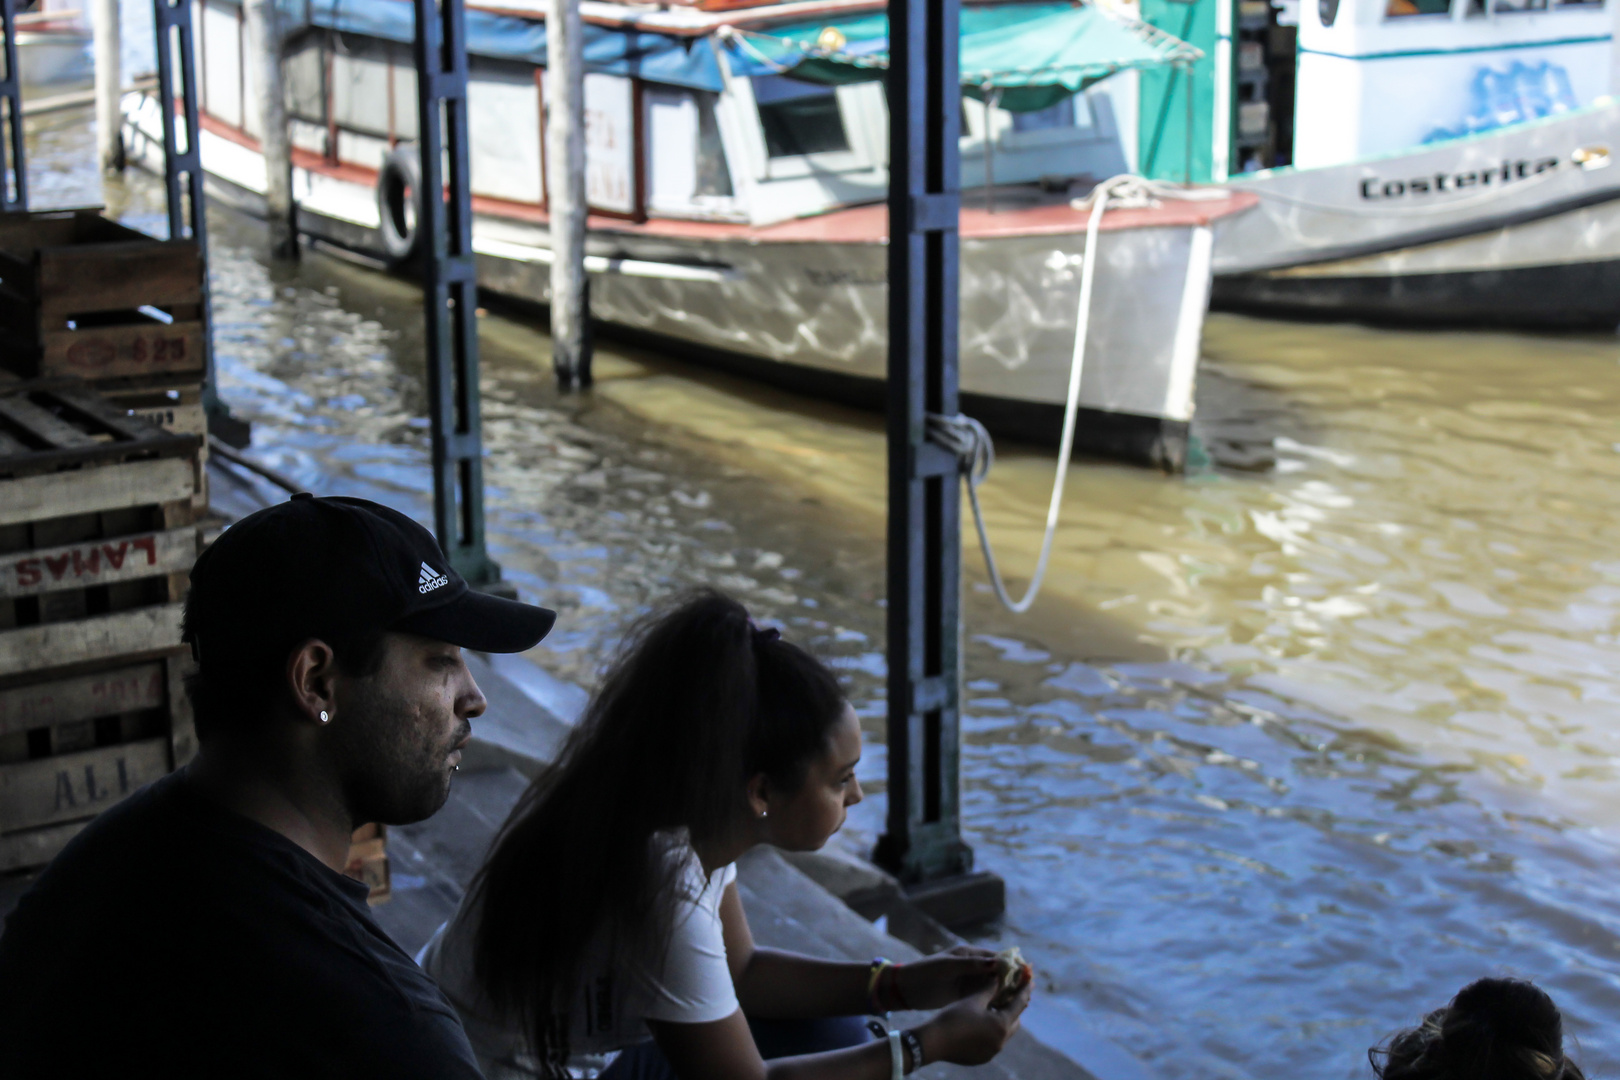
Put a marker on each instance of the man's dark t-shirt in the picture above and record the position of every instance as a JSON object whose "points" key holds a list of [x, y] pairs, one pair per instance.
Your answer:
{"points": [[174, 938]]}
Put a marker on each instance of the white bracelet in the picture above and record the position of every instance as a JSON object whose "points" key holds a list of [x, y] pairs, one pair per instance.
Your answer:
{"points": [[896, 1056]]}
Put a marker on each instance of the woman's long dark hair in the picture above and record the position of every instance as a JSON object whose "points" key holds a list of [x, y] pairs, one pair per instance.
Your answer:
{"points": [[1494, 1029], [697, 701]]}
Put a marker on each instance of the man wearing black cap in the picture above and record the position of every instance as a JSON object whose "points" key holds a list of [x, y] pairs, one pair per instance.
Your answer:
{"points": [[204, 927]]}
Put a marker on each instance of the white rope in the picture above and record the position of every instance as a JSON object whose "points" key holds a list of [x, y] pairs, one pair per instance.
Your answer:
{"points": [[970, 442]]}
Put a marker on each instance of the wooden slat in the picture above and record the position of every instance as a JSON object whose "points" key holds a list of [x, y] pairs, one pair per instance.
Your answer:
{"points": [[42, 424], [97, 562], [182, 724], [82, 697], [181, 419], [105, 453], [103, 411], [36, 847], [117, 277], [69, 787], [122, 633], [105, 352], [107, 487]]}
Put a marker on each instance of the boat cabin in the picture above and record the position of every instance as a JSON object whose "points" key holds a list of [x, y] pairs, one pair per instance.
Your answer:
{"points": [[697, 111], [1324, 82]]}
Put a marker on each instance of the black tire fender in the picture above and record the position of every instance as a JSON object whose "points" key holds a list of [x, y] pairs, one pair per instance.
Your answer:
{"points": [[399, 203]]}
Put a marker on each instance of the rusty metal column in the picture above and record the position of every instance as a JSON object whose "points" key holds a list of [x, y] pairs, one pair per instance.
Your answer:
{"points": [[450, 292], [923, 844], [13, 158]]}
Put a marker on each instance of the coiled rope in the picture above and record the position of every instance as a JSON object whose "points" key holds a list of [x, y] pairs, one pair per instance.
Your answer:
{"points": [[970, 442]]}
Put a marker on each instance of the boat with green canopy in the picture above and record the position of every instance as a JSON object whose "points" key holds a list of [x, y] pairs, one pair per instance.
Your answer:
{"points": [[736, 171]]}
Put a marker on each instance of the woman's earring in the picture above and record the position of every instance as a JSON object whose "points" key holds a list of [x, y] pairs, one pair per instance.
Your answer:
{"points": [[763, 814], [324, 717]]}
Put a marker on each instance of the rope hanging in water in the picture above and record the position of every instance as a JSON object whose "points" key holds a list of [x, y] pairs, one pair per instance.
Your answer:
{"points": [[970, 442]]}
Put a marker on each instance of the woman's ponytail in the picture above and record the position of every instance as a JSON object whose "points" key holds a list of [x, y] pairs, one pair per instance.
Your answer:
{"points": [[1494, 1029]]}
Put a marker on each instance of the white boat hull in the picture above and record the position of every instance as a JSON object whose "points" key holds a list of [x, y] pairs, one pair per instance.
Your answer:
{"points": [[811, 313], [47, 58], [1505, 228]]}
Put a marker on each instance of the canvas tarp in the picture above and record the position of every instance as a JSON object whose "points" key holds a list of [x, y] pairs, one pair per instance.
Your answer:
{"points": [[1028, 56], [662, 58]]}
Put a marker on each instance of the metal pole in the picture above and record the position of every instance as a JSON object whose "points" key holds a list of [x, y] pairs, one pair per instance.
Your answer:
{"points": [[13, 158], [265, 34], [450, 292], [923, 840], [183, 183], [565, 187], [109, 85]]}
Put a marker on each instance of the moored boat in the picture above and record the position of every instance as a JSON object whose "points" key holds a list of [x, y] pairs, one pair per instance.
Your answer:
{"points": [[1417, 161], [1516, 227], [53, 46], [736, 167]]}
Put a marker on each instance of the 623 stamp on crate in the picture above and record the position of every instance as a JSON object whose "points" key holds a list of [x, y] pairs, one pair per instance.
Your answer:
{"points": [[86, 297]]}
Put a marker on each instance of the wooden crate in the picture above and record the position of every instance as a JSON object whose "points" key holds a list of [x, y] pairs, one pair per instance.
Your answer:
{"points": [[84, 296], [173, 406], [73, 745], [368, 861], [96, 536]]}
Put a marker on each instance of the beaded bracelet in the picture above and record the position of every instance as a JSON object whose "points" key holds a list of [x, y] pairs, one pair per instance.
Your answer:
{"points": [[880, 964]]}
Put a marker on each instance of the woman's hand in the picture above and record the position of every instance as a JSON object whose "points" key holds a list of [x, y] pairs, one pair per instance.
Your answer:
{"points": [[935, 981], [972, 1031]]}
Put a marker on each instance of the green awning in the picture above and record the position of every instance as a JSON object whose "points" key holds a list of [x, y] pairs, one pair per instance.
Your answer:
{"points": [[1028, 56]]}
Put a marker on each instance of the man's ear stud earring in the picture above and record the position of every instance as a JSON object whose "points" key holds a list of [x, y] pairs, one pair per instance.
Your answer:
{"points": [[324, 717]]}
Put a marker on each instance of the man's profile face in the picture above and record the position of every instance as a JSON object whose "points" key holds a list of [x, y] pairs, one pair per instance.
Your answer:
{"points": [[399, 731]]}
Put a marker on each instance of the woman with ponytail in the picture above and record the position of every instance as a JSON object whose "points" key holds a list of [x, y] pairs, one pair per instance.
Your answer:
{"points": [[606, 917], [1494, 1029]]}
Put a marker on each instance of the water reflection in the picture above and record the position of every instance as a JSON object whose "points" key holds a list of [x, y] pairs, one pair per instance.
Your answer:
{"points": [[1287, 755]]}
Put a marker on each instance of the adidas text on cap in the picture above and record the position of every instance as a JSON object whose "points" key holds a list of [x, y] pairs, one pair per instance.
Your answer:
{"points": [[348, 563]]}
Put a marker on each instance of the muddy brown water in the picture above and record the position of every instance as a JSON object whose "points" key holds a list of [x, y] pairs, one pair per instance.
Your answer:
{"points": [[1293, 746]]}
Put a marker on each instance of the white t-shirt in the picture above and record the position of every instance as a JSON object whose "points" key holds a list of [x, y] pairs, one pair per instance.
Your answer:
{"points": [[695, 987]]}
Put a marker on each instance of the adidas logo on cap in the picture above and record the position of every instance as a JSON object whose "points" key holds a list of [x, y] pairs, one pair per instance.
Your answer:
{"points": [[430, 579]]}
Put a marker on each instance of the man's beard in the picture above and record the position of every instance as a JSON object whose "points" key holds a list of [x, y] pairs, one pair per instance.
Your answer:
{"points": [[392, 773]]}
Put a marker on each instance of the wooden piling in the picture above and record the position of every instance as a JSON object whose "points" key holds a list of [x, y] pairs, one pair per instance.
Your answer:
{"points": [[265, 35], [565, 163], [109, 85]]}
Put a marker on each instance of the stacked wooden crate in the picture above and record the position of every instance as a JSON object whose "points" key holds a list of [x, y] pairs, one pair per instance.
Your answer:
{"points": [[84, 297], [368, 861], [97, 535]]}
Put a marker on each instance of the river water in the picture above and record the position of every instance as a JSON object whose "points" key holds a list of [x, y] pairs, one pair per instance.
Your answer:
{"points": [[1292, 747]]}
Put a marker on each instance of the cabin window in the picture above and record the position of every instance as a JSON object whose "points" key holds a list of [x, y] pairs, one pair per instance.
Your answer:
{"points": [[799, 117], [1398, 8], [1071, 112], [687, 167], [1520, 5]]}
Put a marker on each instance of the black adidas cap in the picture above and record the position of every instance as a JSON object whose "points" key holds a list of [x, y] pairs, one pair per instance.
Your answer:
{"points": [[314, 566]]}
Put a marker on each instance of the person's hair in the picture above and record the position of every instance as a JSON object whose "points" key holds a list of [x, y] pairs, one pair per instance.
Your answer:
{"points": [[1494, 1029], [239, 676], [696, 701]]}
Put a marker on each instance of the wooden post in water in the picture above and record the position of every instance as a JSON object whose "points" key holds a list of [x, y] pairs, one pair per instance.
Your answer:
{"points": [[13, 153], [565, 186], [264, 32], [109, 85]]}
